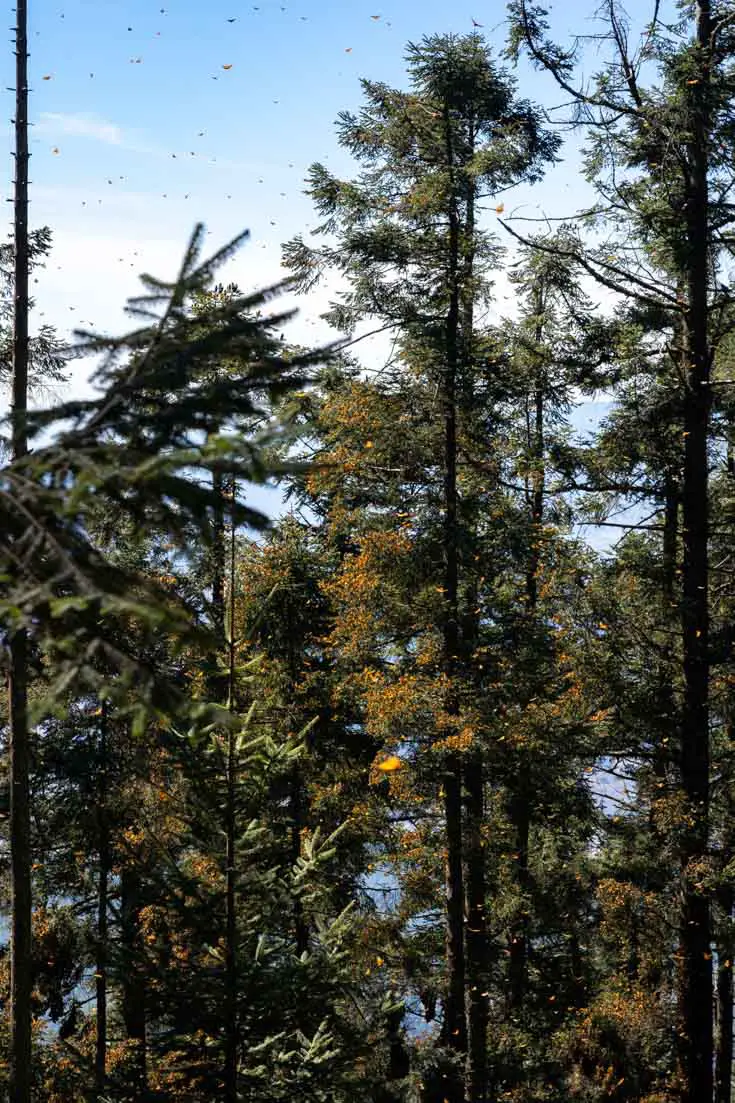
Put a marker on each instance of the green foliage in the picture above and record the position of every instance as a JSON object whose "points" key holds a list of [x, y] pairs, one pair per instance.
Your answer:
{"points": [[47, 357], [143, 446], [245, 733]]}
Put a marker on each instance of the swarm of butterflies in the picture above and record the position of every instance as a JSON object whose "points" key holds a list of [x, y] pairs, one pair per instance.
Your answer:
{"points": [[227, 66]]}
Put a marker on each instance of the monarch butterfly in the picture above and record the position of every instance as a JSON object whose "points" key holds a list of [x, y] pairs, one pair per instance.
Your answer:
{"points": [[390, 764]]}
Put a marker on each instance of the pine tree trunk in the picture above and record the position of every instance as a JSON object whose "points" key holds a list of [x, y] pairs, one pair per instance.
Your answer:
{"points": [[296, 802], [476, 939], [231, 1043], [231, 1018], [671, 529], [695, 988], [476, 934], [225, 628], [455, 1030], [133, 994], [520, 817], [520, 803], [537, 438], [218, 555], [578, 986], [21, 964], [100, 1064], [725, 996], [666, 713], [20, 827], [399, 1062]]}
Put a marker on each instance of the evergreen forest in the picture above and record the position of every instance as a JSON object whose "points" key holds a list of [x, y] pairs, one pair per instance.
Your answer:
{"points": [[420, 787]]}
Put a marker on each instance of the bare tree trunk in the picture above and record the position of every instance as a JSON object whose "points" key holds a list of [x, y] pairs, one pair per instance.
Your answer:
{"points": [[695, 987], [20, 827]]}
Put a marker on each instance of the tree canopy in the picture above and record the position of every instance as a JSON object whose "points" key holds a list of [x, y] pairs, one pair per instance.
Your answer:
{"points": [[412, 793]]}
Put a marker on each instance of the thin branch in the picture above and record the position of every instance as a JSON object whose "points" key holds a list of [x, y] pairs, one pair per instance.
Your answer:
{"points": [[663, 300]]}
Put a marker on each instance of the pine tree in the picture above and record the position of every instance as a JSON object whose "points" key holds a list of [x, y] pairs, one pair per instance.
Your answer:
{"points": [[20, 966], [663, 149], [137, 451], [410, 244]]}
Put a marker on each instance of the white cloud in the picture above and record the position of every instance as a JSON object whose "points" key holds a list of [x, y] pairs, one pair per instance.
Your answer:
{"points": [[81, 126], [99, 271]]}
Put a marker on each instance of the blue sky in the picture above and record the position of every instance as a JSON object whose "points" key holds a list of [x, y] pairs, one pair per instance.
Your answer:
{"points": [[139, 131]]}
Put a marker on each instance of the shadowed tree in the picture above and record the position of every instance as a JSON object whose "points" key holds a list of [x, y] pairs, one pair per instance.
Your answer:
{"points": [[659, 155]]}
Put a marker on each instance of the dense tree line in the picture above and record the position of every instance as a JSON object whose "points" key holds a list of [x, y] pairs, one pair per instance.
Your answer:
{"points": [[410, 795]]}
